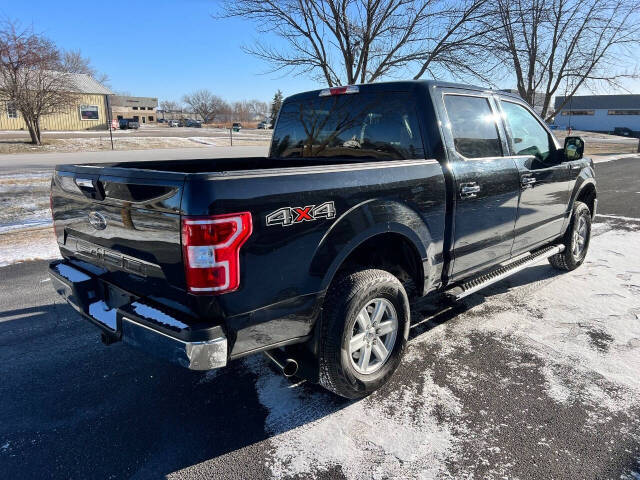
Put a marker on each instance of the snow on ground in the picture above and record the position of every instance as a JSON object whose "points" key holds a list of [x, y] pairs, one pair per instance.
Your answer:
{"points": [[28, 244], [581, 330], [382, 436], [24, 200]]}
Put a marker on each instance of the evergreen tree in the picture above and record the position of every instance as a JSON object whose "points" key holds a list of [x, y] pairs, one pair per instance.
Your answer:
{"points": [[276, 103]]}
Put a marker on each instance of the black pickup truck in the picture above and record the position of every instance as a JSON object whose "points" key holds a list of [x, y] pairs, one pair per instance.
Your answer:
{"points": [[371, 195]]}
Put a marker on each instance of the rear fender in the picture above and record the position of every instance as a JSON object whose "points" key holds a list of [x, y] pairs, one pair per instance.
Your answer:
{"points": [[365, 221]]}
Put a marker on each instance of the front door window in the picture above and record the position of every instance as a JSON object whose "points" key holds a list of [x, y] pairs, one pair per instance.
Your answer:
{"points": [[528, 137]]}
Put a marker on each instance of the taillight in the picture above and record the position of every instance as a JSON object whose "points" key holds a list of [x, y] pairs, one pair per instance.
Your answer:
{"points": [[211, 251]]}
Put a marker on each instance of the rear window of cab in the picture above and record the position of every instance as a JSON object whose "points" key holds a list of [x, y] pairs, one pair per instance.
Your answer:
{"points": [[362, 125]]}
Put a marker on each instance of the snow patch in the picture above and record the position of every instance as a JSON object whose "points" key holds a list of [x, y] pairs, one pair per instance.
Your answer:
{"points": [[203, 140], [105, 315], [619, 217], [71, 273], [26, 245], [155, 314], [391, 434], [209, 376], [26, 223]]}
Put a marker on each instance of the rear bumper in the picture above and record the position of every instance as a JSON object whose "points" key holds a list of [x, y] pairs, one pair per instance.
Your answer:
{"points": [[139, 322]]}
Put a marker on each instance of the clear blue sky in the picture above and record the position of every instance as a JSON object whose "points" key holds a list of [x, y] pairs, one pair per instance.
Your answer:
{"points": [[175, 47]]}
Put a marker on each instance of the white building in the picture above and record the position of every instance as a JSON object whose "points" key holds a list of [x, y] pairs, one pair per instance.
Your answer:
{"points": [[599, 113]]}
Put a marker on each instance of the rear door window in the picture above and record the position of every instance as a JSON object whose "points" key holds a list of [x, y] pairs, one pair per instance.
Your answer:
{"points": [[473, 126], [361, 125]]}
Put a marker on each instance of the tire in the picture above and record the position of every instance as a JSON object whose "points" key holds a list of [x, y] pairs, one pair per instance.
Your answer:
{"points": [[576, 240], [343, 370]]}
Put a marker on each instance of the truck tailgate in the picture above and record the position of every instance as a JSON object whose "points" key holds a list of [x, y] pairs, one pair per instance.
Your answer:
{"points": [[123, 224]]}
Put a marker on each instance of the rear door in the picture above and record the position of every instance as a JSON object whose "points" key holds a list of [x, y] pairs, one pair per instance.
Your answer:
{"points": [[544, 179], [122, 224], [486, 181]]}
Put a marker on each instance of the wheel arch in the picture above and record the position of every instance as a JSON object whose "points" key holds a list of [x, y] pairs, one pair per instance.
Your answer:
{"points": [[587, 193], [370, 228]]}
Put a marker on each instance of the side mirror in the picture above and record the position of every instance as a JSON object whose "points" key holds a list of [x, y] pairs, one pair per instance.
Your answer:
{"points": [[573, 148]]}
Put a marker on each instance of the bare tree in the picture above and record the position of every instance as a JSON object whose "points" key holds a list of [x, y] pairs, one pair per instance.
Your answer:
{"points": [[170, 106], [33, 76], [77, 63], [204, 103], [249, 110], [559, 46], [258, 109], [351, 41]]}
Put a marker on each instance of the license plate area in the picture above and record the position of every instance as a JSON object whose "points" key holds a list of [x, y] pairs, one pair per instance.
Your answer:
{"points": [[116, 297]]}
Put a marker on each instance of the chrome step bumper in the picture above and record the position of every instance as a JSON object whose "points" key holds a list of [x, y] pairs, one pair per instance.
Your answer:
{"points": [[83, 292]]}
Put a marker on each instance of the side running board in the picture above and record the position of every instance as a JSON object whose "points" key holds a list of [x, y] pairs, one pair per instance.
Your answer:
{"points": [[481, 281]]}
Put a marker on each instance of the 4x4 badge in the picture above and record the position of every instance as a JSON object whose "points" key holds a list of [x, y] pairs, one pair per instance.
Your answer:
{"points": [[290, 215]]}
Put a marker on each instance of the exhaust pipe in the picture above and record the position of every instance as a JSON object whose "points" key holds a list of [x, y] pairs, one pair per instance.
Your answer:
{"points": [[288, 366]]}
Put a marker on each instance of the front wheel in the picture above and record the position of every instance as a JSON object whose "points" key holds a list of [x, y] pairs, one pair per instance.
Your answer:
{"points": [[365, 326], [576, 240]]}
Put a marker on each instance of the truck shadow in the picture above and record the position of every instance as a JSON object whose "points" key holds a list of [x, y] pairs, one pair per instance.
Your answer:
{"points": [[73, 408], [428, 313]]}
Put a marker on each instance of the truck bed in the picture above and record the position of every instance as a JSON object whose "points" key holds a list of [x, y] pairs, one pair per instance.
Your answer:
{"points": [[283, 268]]}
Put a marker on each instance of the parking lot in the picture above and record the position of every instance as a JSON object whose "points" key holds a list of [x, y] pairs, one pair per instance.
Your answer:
{"points": [[534, 377]]}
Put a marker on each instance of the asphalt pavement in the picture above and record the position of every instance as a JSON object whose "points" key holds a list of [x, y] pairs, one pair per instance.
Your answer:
{"points": [[468, 401]]}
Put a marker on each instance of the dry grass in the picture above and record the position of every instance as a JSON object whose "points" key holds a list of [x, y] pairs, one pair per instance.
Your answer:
{"points": [[96, 144], [602, 143]]}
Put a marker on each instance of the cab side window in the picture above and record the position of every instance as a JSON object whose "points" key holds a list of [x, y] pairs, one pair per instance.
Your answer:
{"points": [[473, 126], [528, 137]]}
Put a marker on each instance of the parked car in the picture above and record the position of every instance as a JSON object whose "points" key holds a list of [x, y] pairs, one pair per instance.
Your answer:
{"points": [[174, 123], [623, 131], [312, 254], [236, 127], [264, 125], [161, 120], [126, 123], [193, 123]]}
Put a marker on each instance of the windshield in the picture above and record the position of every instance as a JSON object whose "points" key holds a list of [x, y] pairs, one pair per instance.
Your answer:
{"points": [[379, 126]]}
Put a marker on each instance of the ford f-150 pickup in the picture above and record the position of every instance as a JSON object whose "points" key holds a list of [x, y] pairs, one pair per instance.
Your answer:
{"points": [[371, 196]]}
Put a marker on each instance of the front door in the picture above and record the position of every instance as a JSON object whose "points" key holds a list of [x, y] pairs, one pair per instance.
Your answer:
{"points": [[544, 179], [486, 182]]}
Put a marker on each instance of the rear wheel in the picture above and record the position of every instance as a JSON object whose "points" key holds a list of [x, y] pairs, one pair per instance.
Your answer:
{"points": [[365, 325], [576, 240]]}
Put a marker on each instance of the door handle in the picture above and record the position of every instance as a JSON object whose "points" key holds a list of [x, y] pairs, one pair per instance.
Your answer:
{"points": [[527, 182], [469, 190]]}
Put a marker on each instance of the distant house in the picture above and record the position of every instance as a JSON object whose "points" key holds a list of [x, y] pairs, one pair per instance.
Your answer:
{"points": [[141, 109], [599, 113], [89, 111]]}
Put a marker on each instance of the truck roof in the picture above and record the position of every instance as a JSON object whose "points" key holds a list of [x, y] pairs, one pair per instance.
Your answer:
{"points": [[408, 85]]}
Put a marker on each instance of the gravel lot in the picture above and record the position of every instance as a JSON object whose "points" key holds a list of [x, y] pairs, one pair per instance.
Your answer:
{"points": [[535, 377]]}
